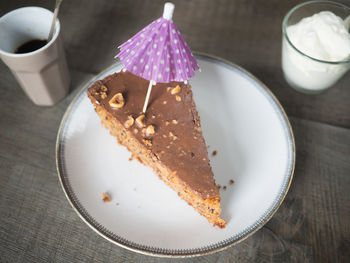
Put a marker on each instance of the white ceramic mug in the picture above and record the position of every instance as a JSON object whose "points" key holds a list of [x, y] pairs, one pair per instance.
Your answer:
{"points": [[43, 74]]}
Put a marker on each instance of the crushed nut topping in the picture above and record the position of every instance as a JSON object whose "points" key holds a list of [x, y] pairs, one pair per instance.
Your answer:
{"points": [[103, 95], [178, 98], [175, 90], [136, 131], [129, 122], [167, 123], [150, 130], [117, 101], [147, 142], [174, 121], [165, 102], [102, 92], [172, 136], [140, 121]]}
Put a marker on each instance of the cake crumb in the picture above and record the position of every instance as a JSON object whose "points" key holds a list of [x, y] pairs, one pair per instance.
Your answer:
{"points": [[130, 159], [117, 203], [218, 186], [231, 182], [106, 198], [224, 187], [214, 153]]}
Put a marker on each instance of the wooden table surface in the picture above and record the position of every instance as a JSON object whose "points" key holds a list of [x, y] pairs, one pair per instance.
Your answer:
{"points": [[37, 224]]}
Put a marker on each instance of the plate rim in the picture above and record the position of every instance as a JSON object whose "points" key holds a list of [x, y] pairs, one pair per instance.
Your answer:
{"points": [[162, 252]]}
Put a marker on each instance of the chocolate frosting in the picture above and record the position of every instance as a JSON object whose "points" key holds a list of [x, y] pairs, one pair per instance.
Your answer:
{"points": [[177, 142]]}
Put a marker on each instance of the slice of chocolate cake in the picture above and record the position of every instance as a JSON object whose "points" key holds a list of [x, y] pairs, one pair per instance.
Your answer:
{"points": [[168, 138]]}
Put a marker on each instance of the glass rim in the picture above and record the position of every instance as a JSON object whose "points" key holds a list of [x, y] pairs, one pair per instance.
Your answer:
{"points": [[291, 11]]}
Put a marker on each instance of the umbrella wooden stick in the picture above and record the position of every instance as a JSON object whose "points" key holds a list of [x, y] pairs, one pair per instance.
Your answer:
{"points": [[147, 97]]}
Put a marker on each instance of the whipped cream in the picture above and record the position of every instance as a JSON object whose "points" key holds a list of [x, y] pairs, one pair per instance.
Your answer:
{"points": [[323, 36]]}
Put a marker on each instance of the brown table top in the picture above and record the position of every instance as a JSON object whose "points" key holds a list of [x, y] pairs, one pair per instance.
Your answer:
{"points": [[37, 224]]}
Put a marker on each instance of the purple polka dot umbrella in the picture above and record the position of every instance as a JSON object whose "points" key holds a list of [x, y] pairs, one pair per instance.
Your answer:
{"points": [[159, 53]]}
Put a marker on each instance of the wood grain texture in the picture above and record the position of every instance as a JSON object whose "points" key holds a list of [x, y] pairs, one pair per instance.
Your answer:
{"points": [[37, 223]]}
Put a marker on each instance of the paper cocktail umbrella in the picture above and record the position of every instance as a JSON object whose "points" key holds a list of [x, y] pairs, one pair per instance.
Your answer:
{"points": [[159, 53]]}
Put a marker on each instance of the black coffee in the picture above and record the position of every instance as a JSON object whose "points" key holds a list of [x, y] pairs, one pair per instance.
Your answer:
{"points": [[31, 46]]}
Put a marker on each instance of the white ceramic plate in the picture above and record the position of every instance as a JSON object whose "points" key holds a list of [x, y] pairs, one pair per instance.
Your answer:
{"points": [[241, 120]]}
